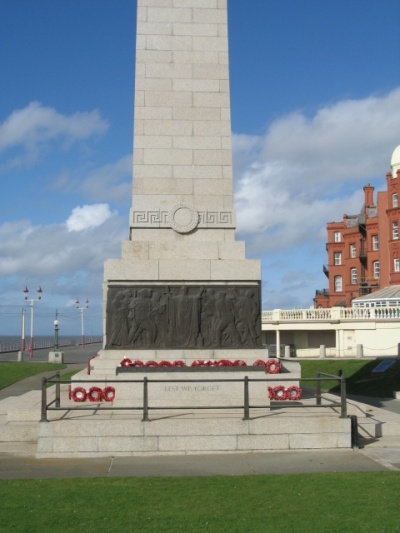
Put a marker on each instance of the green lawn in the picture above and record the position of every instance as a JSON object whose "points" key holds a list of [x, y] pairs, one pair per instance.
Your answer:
{"points": [[359, 376], [12, 372], [331, 503]]}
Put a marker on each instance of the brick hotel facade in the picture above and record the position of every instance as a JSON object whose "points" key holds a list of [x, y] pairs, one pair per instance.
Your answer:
{"points": [[364, 250]]}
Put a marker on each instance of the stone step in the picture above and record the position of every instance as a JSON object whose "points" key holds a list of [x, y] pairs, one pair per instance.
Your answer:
{"points": [[381, 442], [6, 404], [379, 428], [19, 432], [367, 428], [12, 402], [18, 448], [31, 414], [190, 434]]}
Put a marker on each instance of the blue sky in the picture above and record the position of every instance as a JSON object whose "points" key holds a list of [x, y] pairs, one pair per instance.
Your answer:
{"points": [[315, 96]]}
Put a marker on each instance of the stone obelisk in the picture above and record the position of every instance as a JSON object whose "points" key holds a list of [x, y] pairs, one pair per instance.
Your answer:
{"points": [[183, 283]]}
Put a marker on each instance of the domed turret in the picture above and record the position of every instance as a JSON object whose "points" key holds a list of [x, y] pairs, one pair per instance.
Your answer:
{"points": [[395, 162]]}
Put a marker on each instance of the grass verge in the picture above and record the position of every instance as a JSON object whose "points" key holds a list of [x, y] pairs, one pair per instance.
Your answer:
{"points": [[12, 372], [359, 376], [367, 502]]}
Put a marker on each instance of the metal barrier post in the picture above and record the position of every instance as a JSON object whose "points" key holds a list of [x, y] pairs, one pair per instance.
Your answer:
{"points": [[44, 401], [354, 432], [145, 401], [343, 402], [58, 389], [318, 393], [246, 399]]}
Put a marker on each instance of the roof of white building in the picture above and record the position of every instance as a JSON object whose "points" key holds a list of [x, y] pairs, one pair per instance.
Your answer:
{"points": [[388, 293]]}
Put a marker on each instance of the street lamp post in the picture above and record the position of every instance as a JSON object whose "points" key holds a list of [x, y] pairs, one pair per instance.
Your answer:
{"points": [[56, 328], [56, 355], [31, 305], [23, 332], [82, 311]]}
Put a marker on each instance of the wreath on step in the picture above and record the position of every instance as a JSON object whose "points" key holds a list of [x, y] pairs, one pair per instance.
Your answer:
{"points": [[281, 393]]}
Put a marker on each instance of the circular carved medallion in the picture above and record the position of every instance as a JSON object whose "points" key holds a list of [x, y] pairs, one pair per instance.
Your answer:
{"points": [[183, 218]]}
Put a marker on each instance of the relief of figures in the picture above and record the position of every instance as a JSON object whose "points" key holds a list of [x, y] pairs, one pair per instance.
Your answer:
{"points": [[183, 317]]}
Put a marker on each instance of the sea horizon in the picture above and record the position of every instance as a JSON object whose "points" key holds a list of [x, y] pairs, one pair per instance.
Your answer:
{"points": [[14, 342]]}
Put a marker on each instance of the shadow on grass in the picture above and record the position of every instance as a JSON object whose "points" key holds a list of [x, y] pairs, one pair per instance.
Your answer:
{"points": [[362, 383]]}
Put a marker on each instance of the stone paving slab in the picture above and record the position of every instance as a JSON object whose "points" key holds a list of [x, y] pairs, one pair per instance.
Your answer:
{"points": [[288, 462]]}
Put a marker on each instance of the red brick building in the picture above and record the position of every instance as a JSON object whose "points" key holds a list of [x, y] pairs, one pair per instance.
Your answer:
{"points": [[364, 249]]}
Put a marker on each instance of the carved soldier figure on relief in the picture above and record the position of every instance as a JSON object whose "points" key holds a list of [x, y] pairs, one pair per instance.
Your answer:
{"points": [[143, 329], [225, 328], [119, 333], [159, 312], [185, 312], [208, 317], [248, 313]]}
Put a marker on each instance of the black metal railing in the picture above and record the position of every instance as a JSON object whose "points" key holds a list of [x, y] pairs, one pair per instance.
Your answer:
{"points": [[328, 377], [145, 407]]}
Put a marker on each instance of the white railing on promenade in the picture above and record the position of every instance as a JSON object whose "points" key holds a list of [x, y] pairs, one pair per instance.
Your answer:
{"points": [[331, 314]]}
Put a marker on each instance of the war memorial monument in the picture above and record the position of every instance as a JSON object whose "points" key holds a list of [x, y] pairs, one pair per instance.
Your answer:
{"points": [[182, 298]]}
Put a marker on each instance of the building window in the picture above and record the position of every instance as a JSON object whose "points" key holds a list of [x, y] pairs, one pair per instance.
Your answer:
{"points": [[375, 242], [353, 273], [396, 265], [395, 230], [395, 200], [353, 250], [338, 237], [376, 269], [337, 258], [338, 284]]}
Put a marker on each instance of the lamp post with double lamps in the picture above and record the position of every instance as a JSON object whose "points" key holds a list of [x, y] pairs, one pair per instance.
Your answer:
{"points": [[82, 311], [31, 305]]}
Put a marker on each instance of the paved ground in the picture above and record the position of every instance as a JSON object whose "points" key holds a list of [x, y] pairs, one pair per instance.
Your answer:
{"points": [[21, 463], [13, 466]]}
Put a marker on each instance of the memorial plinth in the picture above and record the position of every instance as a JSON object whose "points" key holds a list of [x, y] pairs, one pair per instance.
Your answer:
{"points": [[216, 388]]}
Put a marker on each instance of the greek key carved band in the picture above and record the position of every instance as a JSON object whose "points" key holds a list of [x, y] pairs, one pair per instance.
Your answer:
{"points": [[161, 219]]}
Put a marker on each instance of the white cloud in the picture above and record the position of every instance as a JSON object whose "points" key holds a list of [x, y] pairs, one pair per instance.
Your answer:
{"points": [[34, 126], [88, 216], [349, 139], [307, 171], [53, 252], [66, 264]]}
